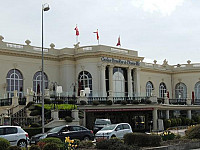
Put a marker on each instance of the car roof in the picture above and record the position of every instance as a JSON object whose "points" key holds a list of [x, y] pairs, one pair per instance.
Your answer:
{"points": [[9, 126]]}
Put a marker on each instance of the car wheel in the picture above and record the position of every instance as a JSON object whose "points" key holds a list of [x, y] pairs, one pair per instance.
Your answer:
{"points": [[22, 143], [86, 138]]}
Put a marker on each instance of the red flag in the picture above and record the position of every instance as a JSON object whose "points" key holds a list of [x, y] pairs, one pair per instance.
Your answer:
{"points": [[118, 43], [77, 32], [97, 34]]}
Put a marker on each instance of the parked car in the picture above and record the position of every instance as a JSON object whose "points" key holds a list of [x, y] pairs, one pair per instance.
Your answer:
{"points": [[100, 123], [74, 132], [15, 135], [114, 130]]}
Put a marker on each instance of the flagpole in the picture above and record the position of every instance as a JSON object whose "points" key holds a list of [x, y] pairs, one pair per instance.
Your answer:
{"points": [[76, 39]]}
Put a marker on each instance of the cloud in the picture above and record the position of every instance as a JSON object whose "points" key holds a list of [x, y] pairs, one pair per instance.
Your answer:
{"points": [[164, 7]]}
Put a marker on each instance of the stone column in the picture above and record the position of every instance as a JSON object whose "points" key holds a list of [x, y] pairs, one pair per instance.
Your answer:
{"points": [[111, 80], [130, 88], [103, 81], [167, 114], [54, 114], [155, 119], [166, 99], [189, 114], [137, 81], [75, 115]]}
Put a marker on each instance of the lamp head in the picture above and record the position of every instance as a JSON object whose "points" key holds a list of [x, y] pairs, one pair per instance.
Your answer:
{"points": [[45, 7]]}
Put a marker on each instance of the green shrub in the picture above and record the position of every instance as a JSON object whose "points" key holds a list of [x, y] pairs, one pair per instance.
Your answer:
{"points": [[148, 101], [124, 102], [166, 135], [34, 147], [30, 104], [138, 139], [188, 121], [51, 140], [32, 107], [167, 123], [85, 144], [95, 102], [193, 132], [14, 148], [47, 101], [173, 122], [105, 143], [4, 144], [82, 102], [51, 146], [135, 102], [109, 102], [68, 119], [121, 146], [35, 112]]}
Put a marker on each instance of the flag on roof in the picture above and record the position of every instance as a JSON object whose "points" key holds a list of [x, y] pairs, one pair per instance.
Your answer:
{"points": [[118, 42], [77, 31], [97, 34]]}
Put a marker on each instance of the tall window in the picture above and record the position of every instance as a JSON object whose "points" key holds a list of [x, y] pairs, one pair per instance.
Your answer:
{"points": [[14, 81], [181, 90], [120, 82], [162, 90], [37, 82], [85, 80], [149, 88], [197, 90]]}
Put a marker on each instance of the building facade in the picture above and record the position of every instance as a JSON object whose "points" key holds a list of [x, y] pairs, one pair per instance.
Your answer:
{"points": [[110, 73]]}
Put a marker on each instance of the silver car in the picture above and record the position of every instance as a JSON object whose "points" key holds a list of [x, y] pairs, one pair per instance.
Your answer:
{"points": [[15, 135], [114, 130]]}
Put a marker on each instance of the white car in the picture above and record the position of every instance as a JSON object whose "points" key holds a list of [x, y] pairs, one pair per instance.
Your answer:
{"points": [[114, 130], [15, 135]]}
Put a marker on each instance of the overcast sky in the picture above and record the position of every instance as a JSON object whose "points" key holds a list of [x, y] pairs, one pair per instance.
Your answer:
{"points": [[157, 29]]}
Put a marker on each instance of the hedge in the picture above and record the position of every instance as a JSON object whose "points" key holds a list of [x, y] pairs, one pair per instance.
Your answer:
{"points": [[137, 139], [4, 144]]}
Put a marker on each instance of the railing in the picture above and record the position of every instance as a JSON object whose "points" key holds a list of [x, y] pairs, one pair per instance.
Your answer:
{"points": [[178, 101], [56, 100], [101, 100], [6, 102], [130, 100], [196, 102]]}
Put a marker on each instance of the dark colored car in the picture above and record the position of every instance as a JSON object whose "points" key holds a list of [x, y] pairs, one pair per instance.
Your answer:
{"points": [[74, 132]]}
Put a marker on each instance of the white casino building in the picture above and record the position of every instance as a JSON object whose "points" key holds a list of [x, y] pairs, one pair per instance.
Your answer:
{"points": [[111, 73]]}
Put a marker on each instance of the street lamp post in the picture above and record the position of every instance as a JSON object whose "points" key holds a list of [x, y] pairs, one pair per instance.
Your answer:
{"points": [[45, 7]]}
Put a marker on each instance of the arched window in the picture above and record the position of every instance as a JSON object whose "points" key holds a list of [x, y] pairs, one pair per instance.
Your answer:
{"points": [[197, 90], [84, 80], [14, 81], [118, 84], [181, 90], [162, 90], [149, 88], [37, 82]]}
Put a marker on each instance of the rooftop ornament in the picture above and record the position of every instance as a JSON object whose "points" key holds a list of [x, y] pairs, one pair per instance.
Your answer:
{"points": [[188, 62], [165, 63], [27, 42], [52, 46], [1, 38], [155, 61]]}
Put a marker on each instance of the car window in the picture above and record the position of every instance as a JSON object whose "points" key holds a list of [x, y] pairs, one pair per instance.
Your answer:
{"points": [[1, 131], [125, 126], [75, 128], [65, 129], [120, 127], [11, 130]]}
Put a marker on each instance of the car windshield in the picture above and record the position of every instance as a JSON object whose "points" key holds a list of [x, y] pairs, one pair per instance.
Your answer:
{"points": [[110, 127], [102, 122], [56, 129]]}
